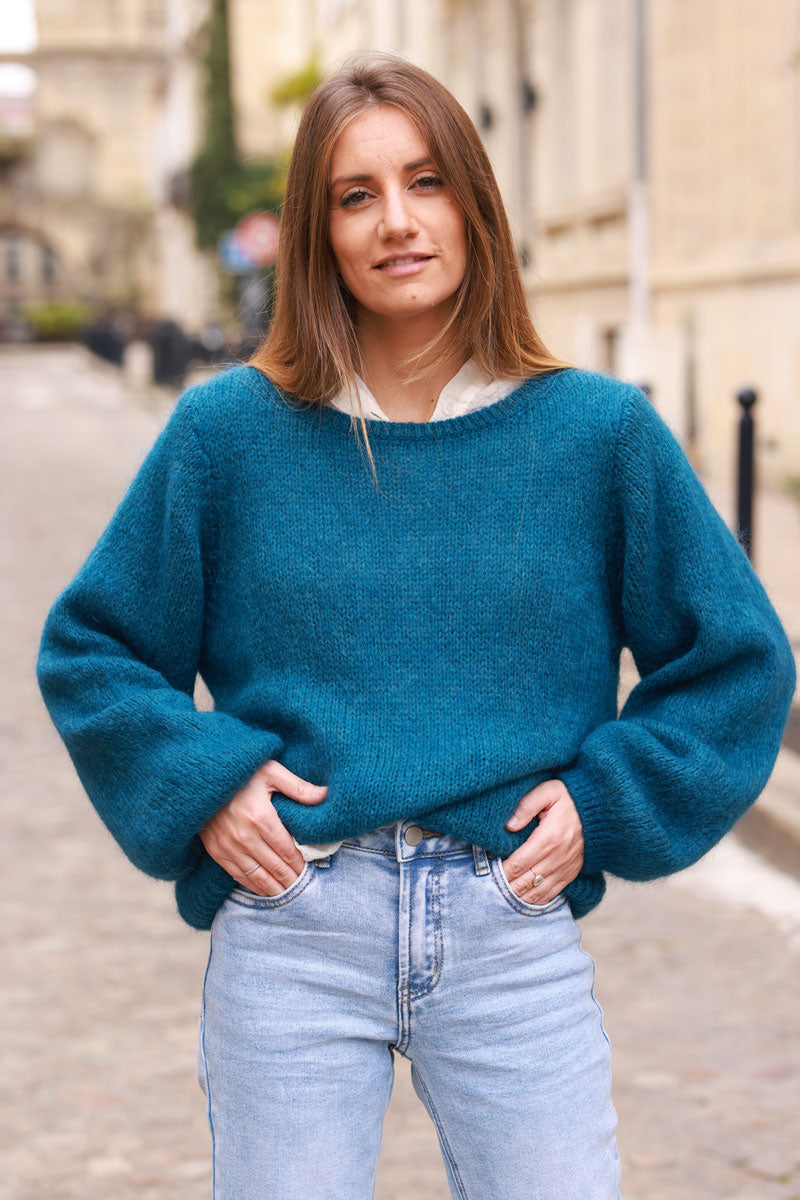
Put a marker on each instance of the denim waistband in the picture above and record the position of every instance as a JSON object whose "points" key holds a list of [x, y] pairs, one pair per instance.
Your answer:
{"points": [[412, 839]]}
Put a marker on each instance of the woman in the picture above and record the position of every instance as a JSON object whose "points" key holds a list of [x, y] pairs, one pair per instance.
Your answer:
{"points": [[414, 777]]}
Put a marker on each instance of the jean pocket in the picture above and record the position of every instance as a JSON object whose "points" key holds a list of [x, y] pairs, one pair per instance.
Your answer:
{"points": [[514, 901], [243, 895]]}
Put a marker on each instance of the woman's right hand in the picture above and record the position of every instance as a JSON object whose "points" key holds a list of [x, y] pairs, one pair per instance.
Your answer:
{"points": [[248, 831]]}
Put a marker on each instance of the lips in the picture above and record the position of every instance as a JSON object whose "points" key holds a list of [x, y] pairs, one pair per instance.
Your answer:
{"points": [[402, 260]]}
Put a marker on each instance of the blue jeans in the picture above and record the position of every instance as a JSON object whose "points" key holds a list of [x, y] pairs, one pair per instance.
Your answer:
{"points": [[415, 945]]}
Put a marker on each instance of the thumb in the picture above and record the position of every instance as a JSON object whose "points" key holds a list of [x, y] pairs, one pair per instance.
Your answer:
{"points": [[533, 802], [280, 779]]}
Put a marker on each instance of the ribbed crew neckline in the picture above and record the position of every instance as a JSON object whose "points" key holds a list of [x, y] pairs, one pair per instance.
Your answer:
{"points": [[419, 431]]}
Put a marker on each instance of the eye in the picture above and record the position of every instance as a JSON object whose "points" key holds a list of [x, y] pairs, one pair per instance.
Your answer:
{"points": [[354, 197], [429, 183]]}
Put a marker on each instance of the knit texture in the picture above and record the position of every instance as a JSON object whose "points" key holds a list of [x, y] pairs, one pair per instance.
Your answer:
{"points": [[430, 648]]}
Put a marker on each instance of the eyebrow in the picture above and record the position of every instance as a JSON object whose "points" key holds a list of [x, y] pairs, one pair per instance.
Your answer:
{"points": [[412, 166]]}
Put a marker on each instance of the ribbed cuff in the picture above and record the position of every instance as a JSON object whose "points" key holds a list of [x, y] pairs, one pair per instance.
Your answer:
{"points": [[598, 833], [206, 786]]}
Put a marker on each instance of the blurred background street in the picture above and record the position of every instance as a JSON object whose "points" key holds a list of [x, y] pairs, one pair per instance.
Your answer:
{"points": [[649, 154]]}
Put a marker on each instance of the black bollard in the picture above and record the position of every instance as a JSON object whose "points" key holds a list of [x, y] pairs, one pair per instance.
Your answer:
{"points": [[171, 353], [744, 519]]}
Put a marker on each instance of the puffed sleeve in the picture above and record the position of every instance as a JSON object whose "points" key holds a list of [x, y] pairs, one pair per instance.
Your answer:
{"points": [[119, 656], [699, 734]]}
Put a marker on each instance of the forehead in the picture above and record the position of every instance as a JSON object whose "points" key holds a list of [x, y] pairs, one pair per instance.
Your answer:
{"points": [[381, 133]]}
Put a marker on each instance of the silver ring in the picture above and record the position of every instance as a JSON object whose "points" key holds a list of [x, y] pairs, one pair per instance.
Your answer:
{"points": [[537, 879], [253, 869]]}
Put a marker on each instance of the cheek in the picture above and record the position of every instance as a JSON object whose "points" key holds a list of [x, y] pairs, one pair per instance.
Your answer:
{"points": [[335, 244], [458, 233], [460, 255], [345, 245]]}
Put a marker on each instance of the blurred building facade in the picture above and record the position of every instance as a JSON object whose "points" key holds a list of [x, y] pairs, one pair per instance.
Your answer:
{"points": [[94, 210], [648, 151], [649, 155], [689, 192]]}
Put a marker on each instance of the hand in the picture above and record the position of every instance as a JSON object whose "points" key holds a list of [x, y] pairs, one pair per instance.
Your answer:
{"points": [[248, 831], [555, 848]]}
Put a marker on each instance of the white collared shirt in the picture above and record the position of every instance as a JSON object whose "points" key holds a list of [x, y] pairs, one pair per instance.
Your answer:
{"points": [[467, 390]]}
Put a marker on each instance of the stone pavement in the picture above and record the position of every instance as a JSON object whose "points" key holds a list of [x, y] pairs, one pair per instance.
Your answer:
{"points": [[697, 974]]}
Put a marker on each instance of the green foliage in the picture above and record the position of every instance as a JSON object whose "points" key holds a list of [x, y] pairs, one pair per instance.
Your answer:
{"points": [[220, 137], [217, 160], [219, 200], [297, 87], [257, 184], [221, 188], [57, 320], [208, 201]]}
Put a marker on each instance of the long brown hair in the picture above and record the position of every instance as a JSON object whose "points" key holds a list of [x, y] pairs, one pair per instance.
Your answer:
{"points": [[311, 350]]}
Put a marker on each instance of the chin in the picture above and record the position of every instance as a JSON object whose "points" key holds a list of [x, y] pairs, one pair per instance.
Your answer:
{"points": [[410, 307]]}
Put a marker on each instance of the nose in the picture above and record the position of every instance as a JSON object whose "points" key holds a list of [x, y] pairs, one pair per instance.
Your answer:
{"points": [[397, 218]]}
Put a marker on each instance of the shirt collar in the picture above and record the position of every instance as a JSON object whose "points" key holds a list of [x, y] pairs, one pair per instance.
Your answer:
{"points": [[468, 387]]}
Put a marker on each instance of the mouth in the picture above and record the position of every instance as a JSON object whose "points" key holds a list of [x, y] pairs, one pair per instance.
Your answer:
{"points": [[402, 262]]}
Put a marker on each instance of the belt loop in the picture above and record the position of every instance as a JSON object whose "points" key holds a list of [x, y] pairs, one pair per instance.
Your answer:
{"points": [[481, 861]]}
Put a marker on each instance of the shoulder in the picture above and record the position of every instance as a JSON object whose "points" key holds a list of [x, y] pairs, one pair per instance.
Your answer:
{"points": [[588, 404], [594, 391], [238, 393]]}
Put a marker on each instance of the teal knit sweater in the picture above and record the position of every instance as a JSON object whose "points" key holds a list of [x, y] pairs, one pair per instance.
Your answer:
{"points": [[431, 648]]}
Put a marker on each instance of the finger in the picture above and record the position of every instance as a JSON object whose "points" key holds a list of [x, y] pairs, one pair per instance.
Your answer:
{"points": [[239, 868], [521, 877], [273, 848], [559, 862], [552, 873], [281, 864], [530, 854], [259, 880], [537, 885], [544, 893], [533, 802], [281, 779], [253, 834], [274, 840], [553, 836]]}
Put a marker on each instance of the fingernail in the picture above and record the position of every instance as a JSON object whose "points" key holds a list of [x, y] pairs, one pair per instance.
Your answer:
{"points": [[513, 823]]}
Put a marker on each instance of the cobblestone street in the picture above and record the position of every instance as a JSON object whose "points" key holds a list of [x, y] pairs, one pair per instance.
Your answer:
{"points": [[697, 975]]}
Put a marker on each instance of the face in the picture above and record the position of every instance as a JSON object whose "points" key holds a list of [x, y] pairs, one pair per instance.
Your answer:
{"points": [[396, 233]]}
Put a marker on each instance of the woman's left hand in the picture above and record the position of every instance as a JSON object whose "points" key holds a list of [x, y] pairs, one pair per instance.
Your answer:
{"points": [[553, 851]]}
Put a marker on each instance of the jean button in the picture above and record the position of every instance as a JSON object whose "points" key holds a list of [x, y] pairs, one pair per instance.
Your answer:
{"points": [[413, 835]]}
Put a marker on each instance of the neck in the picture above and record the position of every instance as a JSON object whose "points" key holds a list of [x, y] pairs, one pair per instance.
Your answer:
{"points": [[385, 343]]}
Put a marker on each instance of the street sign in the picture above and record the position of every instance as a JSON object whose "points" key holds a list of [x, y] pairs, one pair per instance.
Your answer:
{"points": [[231, 256], [257, 234]]}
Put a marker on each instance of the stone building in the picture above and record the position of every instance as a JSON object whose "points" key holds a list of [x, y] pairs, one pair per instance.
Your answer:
{"points": [[648, 151], [649, 154], [89, 213], [678, 263]]}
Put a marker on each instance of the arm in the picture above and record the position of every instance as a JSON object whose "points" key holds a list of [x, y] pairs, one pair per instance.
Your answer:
{"points": [[698, 736], [119, 656]]}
